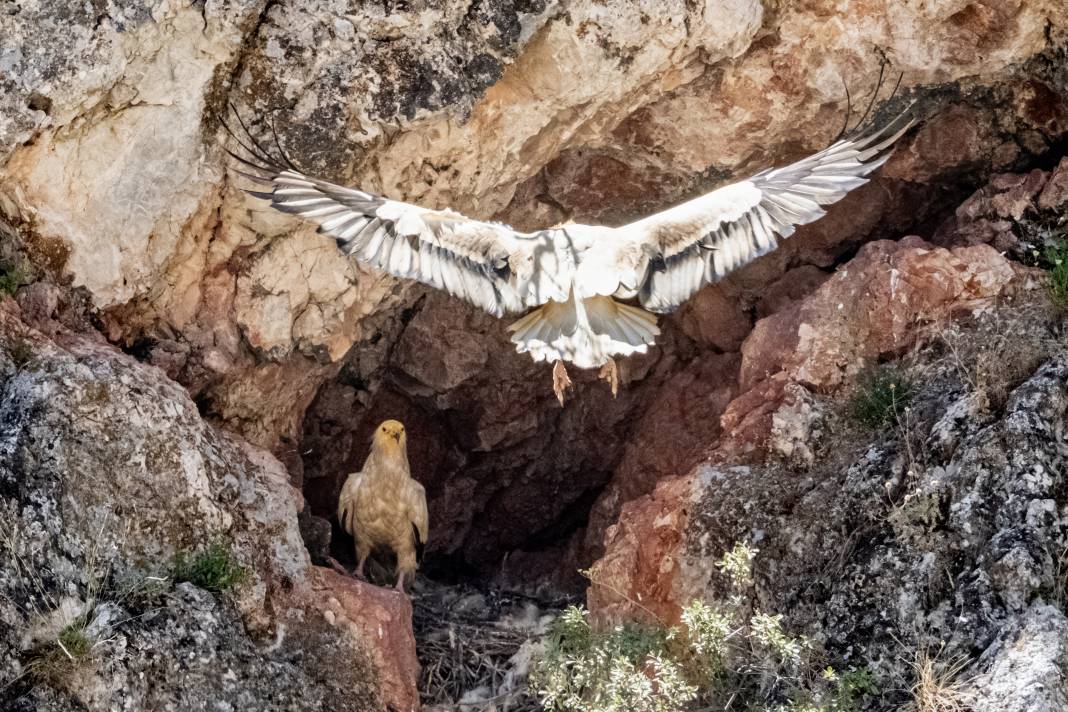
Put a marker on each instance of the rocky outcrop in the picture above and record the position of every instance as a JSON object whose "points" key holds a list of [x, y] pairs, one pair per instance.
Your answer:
{"points": [[118, 218], [476, 106], [945, 528], [107, 475]]}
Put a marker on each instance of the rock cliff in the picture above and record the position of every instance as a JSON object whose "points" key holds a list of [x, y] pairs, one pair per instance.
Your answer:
{"points": [[182, 366]]}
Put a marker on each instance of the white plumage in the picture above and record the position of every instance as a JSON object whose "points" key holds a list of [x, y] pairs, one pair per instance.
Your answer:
{"points": [[572, 281]]}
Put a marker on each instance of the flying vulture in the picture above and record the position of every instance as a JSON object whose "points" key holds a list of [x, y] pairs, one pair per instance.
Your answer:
{"points": [[584, 293]]}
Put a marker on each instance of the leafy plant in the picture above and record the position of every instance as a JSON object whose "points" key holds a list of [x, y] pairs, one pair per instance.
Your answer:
{"points": [[720, 653], [213, 569], [12, 276], [881, 398], [622, 669], [1057, 256]]}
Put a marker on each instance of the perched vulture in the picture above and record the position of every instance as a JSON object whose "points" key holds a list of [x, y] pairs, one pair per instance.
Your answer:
{"points": [[586, 293], [381, 506]]}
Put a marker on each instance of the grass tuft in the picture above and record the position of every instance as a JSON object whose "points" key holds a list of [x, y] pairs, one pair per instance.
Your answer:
{"points": [[52, 661], [1057, 256], [882, 398], [213, 568], [12, 276], [74, 642], [941, 685]]}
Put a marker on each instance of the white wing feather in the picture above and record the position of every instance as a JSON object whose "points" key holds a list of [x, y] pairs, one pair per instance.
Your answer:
{"points": [[702, 240], [346, 502], [488, 264]]}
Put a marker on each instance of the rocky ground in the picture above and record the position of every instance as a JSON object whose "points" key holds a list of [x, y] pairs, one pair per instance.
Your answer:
{"points": [[182, 370]]}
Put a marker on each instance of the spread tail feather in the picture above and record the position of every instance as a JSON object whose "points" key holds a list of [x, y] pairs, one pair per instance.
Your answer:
{"points": [[585, 332]]}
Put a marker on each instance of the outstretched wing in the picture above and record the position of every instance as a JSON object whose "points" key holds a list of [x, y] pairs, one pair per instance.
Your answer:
{"points": [[488, 264], [346, 502], [416, 501], [703, 240]]}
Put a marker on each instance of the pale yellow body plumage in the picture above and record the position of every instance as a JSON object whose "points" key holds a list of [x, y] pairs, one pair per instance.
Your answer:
{"points": [[382, 506]]}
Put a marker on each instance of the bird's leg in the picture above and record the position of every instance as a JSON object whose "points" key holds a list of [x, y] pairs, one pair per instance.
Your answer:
{"points": [[400, 581], [610, 372], [561, 381], [362, 552]]}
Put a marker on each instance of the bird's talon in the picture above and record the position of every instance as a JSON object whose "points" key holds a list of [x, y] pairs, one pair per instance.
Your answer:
{"points": [[610, 372], [561, 381]]}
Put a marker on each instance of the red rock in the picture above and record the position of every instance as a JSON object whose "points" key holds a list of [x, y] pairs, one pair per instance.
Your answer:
{"points": [[633, 580], [747, 421], [1055, 194], [874, 305], [38, 303], [795, 284], [713, 319], [869, 307], [671, 437], [1007, 195], [380, 619], [950, 143]]}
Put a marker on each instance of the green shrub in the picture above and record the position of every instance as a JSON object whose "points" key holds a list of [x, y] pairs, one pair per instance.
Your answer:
{"points": [[881, 398], [12, 276], [1057, 256], [720, 654], [74, 641], [213, 568], [608, 671]]}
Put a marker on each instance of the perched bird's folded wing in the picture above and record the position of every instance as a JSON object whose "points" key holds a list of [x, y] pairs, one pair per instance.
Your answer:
{"points": [[346, 502], [488, 264], [703, 240], [416, 495]]}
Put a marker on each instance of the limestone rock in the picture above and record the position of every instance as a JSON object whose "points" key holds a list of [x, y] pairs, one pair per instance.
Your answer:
{"points": [[1028, 672], [107, 133], [107, 472]]}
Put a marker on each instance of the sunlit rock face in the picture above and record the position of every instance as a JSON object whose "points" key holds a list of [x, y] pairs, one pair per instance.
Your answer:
{"points": [[532, 112]]}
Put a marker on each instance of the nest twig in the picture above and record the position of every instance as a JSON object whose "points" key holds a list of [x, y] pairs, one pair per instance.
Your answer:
{"points": [[463, 651]]}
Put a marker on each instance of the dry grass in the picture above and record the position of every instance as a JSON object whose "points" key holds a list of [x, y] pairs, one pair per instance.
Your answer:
{"points": [[942, 685], [1001, 348]]}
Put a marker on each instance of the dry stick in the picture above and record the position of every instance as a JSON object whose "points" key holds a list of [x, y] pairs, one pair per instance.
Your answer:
{"points": [[625, 597]]}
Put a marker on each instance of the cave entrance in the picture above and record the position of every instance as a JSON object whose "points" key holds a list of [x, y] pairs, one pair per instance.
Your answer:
{"points": [[511, 481], [511, 477]]}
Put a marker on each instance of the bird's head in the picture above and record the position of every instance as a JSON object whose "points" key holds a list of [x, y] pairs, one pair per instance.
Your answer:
{"points": [[390, 435]]}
